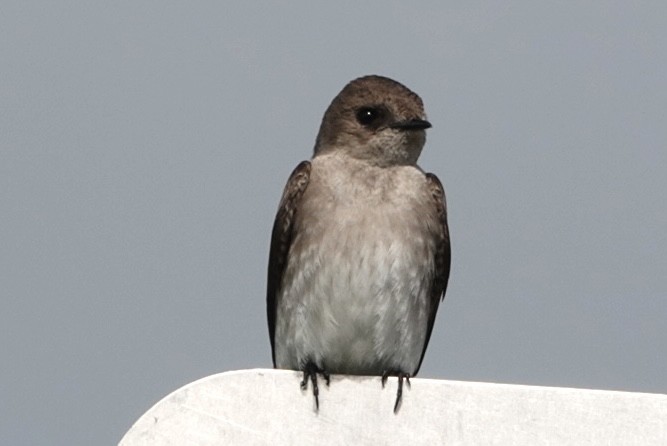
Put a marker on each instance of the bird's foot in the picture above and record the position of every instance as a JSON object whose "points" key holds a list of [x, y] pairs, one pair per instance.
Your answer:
{"points": [[310, 371], [399, 393]]}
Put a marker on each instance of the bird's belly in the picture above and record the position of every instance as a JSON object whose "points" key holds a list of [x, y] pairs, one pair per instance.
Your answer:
{"points": [[356, 301]]}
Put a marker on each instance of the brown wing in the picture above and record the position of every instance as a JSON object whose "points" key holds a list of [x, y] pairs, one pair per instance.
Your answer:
{"points": [[443, 256], [281, 240]]}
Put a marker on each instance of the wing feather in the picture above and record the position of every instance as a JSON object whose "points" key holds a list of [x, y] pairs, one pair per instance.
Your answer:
{"points": [[443, 255], [281, 240]]}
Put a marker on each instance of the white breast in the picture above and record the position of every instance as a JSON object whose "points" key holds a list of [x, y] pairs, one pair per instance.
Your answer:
{"points": [[356, 291]]}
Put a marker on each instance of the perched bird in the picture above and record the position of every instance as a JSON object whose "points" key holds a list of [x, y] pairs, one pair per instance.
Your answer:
{"points": [[360, 252]]}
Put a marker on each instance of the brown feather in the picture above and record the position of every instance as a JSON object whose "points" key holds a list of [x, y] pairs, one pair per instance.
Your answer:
{"points": [[281, 240], [443, 255]]}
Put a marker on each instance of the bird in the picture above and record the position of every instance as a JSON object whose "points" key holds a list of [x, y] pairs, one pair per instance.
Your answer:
{"points": [[360, 253]]}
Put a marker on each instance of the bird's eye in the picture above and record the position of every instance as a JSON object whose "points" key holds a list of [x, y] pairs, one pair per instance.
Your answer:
{"points": [[369, 116]]}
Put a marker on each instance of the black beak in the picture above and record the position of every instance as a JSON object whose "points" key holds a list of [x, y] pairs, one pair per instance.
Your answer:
{"points": [[411, 124]]}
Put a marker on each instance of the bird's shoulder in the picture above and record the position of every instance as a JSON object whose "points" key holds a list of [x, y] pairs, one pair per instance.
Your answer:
{"points": [[296, 184]]}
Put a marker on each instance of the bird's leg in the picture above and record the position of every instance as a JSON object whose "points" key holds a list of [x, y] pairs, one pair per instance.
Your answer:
{"points": [[310, 370], [399, 393]]}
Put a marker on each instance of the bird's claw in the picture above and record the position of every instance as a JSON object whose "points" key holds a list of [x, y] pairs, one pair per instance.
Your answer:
{"points": [[310, 371], [399, 393]]}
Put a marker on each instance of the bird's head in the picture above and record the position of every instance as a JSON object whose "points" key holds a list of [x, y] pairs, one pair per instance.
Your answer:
{"points": [[375, 119]]}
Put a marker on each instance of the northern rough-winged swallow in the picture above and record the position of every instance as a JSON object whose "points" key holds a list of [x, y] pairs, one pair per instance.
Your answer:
{"points": [[360, 250]]}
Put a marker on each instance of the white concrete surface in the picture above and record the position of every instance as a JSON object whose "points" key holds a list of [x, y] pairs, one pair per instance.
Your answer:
{"points": [[267, 407]]}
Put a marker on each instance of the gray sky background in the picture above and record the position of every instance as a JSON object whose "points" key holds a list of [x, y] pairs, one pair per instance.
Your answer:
{"points": [[144, 147]]}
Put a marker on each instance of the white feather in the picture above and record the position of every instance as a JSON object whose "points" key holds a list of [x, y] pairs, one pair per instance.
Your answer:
{"points": [[356, 291]]}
